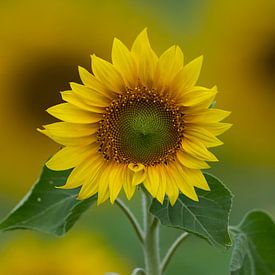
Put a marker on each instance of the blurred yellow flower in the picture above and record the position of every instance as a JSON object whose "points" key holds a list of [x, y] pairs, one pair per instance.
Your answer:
{"points": [[242, 59], [138, 120], [77, 254]]}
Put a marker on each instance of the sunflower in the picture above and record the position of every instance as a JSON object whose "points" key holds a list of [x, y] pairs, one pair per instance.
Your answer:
{"points": [[138, 120]]}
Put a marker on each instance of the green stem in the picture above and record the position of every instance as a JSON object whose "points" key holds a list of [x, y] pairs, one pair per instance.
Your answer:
{"points": [[166, 260], [131, 218], [151, 239], [233, 229], [138, 271]]}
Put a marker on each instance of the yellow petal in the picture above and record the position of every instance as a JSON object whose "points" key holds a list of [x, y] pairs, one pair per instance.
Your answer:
{"points": [[217, 128], [103, 184], [171, 187], [139, 174], [136, 167], [129, 188], [86, 170], [90, 186], [87, 78], [151, 182], [66, 129], [162, 184], [206, 116], [200, 133], [88, 190], [146, 59], [200, 97], [90, 96], [124, 62], [169, 64], [68, 157], [115, 182], [197, 150], [79, 102], [190, 161], [192, 71], [195, 177], [188, 76], [69, 113], [183, 184], [92, 82], [70, 141], [107, 74]]}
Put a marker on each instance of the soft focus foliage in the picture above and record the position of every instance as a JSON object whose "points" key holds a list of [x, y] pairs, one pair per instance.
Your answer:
{"points": [[254, 245]]}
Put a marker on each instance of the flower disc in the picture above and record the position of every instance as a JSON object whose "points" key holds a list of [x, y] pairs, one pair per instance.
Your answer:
{"points": [[141, 127]]}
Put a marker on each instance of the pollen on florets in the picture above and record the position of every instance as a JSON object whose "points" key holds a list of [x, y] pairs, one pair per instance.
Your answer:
{"points": [[141, 126]]}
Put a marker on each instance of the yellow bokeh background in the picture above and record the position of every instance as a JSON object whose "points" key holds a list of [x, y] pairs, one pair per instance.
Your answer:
{"points": [[78, 253], [43, 42]]}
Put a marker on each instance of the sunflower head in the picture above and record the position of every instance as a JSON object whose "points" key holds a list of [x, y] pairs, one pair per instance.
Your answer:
{"points": [[138, 120]]}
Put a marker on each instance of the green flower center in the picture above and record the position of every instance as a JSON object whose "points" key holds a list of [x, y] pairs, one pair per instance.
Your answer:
{"points": [[141, 127]]}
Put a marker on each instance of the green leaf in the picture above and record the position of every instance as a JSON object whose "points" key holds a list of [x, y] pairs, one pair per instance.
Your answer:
{"points": [[207, 218], [254, 245], [46, 208]]}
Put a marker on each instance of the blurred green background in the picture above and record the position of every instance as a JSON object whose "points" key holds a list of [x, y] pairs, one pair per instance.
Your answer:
{"points": [[43, 42]]}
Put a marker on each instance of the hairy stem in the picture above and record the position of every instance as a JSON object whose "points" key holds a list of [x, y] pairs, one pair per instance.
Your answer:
{"points": [[171, 251], [151, 239], [138, 271], [132, 219]]}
